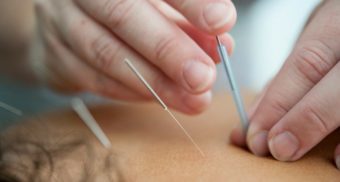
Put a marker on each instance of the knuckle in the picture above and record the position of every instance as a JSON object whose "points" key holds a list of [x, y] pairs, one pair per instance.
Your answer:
{"points": [[313, 60], [164, 47], [315, 119], [276, 105], [105, 56], [117, 12]]}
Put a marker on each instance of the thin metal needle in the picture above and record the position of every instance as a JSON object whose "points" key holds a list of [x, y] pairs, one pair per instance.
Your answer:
{"points": [[80, 108], [10, 108], [186, 133], [134, 69], [233, 85], [141, 78]]}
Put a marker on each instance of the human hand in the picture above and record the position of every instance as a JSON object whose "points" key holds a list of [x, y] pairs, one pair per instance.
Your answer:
{"points": [[85, 43], [300, 106]]}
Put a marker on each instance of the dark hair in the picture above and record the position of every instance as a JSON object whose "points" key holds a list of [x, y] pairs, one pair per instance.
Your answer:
{"points": [[27, 160]]}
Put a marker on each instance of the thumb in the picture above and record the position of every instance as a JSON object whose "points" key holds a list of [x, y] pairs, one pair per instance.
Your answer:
{"points": [[315, 55], [309, 121]]}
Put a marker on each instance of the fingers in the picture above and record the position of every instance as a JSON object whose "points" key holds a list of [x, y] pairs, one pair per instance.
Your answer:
{"points": [[238, 134], [314, 56], [206, 42], [215, 17], [159, 40], [304, 68], [105, 53], [309, 121], [62, 65], [337, 156]]}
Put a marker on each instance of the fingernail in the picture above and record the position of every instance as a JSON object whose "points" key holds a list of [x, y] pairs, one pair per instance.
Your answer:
{"points": [[198, 75], [198, 103], [284, 146], [258, 143], [217, 14], [337, 161]]}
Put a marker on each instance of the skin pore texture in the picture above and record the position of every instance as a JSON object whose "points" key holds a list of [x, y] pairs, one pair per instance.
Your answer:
{"points": [[148, 146]]}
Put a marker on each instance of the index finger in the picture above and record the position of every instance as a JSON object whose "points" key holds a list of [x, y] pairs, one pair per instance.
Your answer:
{"points": [[313, 57], [212, 16], [159, 40]]}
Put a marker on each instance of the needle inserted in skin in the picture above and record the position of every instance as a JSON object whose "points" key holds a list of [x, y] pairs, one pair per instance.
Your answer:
{"points": [[80, 108], [10, 108], [141, 78], [233, 85]]}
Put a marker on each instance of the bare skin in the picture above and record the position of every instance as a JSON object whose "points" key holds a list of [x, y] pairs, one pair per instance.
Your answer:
{"points": [[79, 45], [152, 148]]}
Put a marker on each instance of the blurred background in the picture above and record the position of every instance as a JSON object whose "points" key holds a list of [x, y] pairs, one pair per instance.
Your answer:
{"points": [[264, 34]]}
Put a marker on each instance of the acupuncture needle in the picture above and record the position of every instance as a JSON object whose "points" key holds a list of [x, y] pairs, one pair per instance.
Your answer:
{"points": [[233, 85], [160, 101], [10, 108], [80, 108]]}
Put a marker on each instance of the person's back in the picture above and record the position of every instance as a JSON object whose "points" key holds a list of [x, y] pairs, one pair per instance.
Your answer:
{"points": [[148, 147]]}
